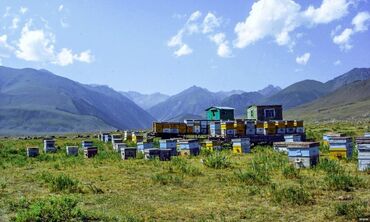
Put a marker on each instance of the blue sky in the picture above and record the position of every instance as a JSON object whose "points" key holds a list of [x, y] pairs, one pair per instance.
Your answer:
{"points": [[167, 46]]}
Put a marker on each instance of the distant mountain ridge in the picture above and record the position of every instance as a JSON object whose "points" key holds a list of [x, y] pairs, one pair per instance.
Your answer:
{"points": [[145, 101], [45, 102]]}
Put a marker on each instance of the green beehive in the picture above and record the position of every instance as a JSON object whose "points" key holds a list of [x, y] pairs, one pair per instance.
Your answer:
{"points": [[216, 113]]}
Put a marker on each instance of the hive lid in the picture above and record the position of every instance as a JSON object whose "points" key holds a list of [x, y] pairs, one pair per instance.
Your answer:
{"points": [[302, 144], [363, 140]]}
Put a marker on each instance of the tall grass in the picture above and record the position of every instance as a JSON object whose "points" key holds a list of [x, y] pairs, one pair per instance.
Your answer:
{"points": [[294, 195], [61, 183], [217, 160]]}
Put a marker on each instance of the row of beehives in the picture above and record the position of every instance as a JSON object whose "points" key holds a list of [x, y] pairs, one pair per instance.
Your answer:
{"points": [[306, 154], [133, 136], [49, 147], [229, 128]]}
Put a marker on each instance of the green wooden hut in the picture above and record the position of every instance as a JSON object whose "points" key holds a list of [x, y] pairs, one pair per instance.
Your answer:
{"points": [[265, 112], [218, 113]]}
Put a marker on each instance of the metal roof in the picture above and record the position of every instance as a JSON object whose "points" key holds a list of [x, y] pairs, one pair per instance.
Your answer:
{"points": [[220, 107]]}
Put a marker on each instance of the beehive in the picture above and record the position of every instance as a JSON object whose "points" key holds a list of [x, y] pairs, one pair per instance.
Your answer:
{"points": [[190, 152], [90, 152], [151, 153], [289, 127], [239, 126], [49, 146], [340, 148], [169, 144], [293, 138], [303, 154], [298, 124], [227, 129], [107, 138], [32, 151], [119, 146], [280, 127], [367, 134], [250, 127], [137, 138], [215, 128], [165, 154], [241, 145], [141, 146], [328, 136], [128, 152], [269, 128], [86, 143], [204, 126], [363, 147], [72, 150], [116, 141], [212, 145]]}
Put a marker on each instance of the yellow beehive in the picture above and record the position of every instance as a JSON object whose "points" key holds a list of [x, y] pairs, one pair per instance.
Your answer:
{"points": [[280, 124], [260, 124], [337, 154], [182, 128], [298, 123], [157, 127], [227, 125], [289, 123], [269, 125], [237, 149]]}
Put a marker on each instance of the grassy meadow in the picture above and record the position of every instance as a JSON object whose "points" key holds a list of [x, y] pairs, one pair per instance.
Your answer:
{"points": [[260, 186]]}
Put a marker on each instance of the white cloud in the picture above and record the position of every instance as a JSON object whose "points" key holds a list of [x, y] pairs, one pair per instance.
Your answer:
{"points": [[360, 21], [360, 24], [38, 45], [329, 11], [278, 18], [223, 49], [337, 63], [183, 50], [60, 8], [23, 10], [15, 23], [4, 43], [194, 16], [210, 22], [303, 59]]}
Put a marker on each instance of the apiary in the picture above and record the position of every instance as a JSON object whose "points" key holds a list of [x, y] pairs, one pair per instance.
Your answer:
{"points": [[128, 152], [72, 150], [215, 128], [303, 154], [86, 143], [90, 152], [32, 151], [188, 147], [340, 148], [169, 144], [49, 146], [212, 145], [165, 154], [250, 128], [260, 130], [289, 127], [280, 127], [363, 147], [141, 146], [227, 129], [280, 147], [151, 153], [293, 138], [241, 145]]}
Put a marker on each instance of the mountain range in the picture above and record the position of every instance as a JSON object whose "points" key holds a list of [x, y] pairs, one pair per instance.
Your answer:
{"points": [[38, 102]]}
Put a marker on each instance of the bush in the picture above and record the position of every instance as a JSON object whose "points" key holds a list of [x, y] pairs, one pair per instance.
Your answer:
{"points": [[61, 183], [253, 177], [292, 195], [52, 209], [351, 210], [270, 159], [342, 181], [185, 167], [217, 160], [330, 166], [166, 179], [290, 172]]}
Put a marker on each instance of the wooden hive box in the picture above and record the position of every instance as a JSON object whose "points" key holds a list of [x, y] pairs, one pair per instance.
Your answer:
{"points": [[49, 146], [165, 154], [86, 143], [293, 138], [128, 152], [241, 145], [90, 152], [32, 151], [280, 147], [142, 146], [340, 148], [151, 153], [303, 154], [363, 147], [72, 150]]}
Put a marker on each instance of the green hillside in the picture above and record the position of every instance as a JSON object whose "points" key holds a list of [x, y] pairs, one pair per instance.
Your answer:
{"points": [[346, 103]]}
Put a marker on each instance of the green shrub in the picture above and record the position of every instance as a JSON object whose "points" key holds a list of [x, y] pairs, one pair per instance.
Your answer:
{"points": [[166, 179], [185, 167], [253, 177], [53, 209], [351, 210], [270, 159], [295, 195], [330, 166], [61, 183], [290, 172], [217, 160], [342, 181]]}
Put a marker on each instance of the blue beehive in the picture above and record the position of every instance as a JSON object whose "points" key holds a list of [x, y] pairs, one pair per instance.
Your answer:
{"points": [[107, 138], [86, 143], [340, 147], [188, 147], [303, 154], [49, 146], [141, 146], [292, 138], [363, 147], [169, 144]]}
